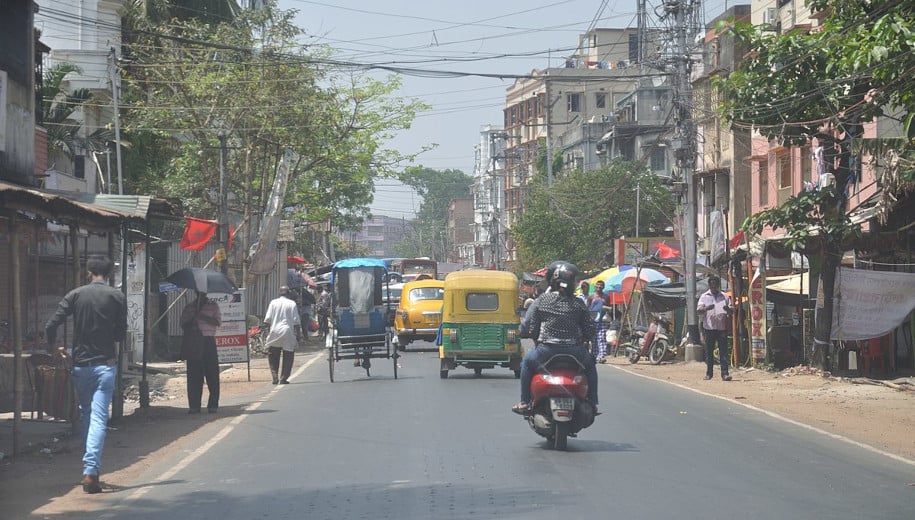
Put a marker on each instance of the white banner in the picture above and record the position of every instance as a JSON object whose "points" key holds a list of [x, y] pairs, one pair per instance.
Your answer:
{"points": [[262, 254], [870, 304]]}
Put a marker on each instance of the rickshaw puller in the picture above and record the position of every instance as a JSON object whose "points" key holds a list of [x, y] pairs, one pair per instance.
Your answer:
{"points": [[560, 323]]}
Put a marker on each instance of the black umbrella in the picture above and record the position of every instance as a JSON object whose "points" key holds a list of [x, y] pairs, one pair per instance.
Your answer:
{"points": [[202, 280]]}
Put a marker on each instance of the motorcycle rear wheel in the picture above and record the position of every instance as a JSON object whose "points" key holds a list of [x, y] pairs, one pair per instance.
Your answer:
{"points": [[560, 435], [657, 352]]}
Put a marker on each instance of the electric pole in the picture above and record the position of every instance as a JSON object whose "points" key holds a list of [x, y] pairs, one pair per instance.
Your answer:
{"points": [[116, 99], [685, 17], [223, 205]]}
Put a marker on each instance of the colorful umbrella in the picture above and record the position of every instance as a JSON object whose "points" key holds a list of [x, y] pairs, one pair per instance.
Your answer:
{"points": [[620, 286], [602, 277]]}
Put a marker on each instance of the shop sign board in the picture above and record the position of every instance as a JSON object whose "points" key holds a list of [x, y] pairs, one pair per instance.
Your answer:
{"points": [[232, 336], [758, 317]]}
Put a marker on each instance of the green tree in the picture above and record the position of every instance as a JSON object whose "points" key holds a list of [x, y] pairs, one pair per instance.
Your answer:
{"points": [[437, 189], [59, 111], [250, 78], [796, 85], [580, 216]]}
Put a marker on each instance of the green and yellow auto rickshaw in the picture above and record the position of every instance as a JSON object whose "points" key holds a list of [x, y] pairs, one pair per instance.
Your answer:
{"points": [[480, 322]]}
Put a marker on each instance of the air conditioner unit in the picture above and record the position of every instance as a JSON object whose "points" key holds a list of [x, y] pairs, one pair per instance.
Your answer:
{"points": [[770, 16]]}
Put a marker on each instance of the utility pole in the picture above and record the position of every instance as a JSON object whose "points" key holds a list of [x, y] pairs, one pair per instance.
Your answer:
{"points": [[116, 99], [684, 14], [223, 205], [549, 144]]}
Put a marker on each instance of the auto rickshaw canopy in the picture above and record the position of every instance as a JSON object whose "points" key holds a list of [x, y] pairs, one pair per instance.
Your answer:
{"points": [[480, 295]]}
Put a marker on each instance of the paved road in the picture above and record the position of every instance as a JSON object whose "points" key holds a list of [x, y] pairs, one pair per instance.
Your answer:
{"points": [[421, 447]]}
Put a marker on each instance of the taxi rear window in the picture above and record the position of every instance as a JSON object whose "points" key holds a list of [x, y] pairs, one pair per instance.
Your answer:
{"points": [[426, 293], [482, 301]]}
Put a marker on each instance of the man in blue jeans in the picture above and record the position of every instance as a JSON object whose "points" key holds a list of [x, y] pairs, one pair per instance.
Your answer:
{"points": [[99, 320]]}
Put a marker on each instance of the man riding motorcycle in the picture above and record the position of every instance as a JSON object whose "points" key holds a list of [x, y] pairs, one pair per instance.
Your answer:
{"points": [[560, 324]]}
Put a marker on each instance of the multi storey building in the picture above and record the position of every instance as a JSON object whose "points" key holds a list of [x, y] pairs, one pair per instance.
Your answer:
{"points": [[488, 227], [87, 35], [565, 110], [379, 235], [722, 171], [460, 229]]}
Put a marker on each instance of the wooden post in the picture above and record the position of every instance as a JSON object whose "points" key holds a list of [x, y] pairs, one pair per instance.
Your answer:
{"points": [[16, 323]]}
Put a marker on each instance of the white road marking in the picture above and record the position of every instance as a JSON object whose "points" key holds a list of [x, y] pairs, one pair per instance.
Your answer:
{"points": [[774, 415], [196, 454]]}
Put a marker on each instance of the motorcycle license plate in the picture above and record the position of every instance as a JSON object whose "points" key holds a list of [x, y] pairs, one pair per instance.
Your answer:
{"points": [[562, 403]]}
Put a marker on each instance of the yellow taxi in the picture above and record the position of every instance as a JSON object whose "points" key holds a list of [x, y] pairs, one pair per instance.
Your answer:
{"points": [[419, 312]]}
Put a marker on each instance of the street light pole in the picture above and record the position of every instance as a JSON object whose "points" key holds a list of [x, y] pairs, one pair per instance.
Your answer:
{"points": [[223, 202]]}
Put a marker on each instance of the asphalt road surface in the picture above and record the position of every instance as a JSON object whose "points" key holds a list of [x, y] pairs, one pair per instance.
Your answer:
{"points": [[421, 447]]}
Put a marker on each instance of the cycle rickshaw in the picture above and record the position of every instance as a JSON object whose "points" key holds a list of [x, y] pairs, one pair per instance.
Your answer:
{"points": [[360, 327]]}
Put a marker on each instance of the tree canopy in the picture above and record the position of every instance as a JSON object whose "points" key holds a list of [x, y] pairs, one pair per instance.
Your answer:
{"points": [[250, 79], [437, 189], [578, 218]]}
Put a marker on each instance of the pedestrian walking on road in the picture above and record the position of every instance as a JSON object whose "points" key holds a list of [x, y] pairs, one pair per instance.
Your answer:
{"points": [[200, 320], [285, 331], [715, 307], [99, 320], [596, 302]]}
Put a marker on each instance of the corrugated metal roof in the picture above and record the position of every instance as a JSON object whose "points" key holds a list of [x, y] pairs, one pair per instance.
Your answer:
{"points": [[95, 209]]}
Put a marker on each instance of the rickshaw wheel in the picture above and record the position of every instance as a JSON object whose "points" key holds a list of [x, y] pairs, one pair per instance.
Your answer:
{"points": [[443, 374], [330, 363], [395, 365], [518, 374], [477, 372]]}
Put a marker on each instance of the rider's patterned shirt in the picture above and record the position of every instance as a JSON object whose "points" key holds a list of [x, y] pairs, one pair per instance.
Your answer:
{"points": [[557, 319]]}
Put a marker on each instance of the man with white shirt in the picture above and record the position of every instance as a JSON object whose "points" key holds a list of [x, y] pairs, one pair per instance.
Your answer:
{"points": [[715, 308], [285, 330]]}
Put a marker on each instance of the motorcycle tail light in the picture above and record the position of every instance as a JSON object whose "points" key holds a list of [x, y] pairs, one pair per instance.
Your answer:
{"points": [[553, 380]]}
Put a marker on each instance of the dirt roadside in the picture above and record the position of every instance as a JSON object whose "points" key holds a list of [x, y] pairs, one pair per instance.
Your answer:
{"points": [[43, 483]]}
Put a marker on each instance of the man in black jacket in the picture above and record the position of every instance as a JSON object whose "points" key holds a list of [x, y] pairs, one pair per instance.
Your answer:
{"points": [[99, 320]]}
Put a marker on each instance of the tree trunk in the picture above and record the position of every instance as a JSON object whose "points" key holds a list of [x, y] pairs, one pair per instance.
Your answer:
{"points": [[822, 341]]}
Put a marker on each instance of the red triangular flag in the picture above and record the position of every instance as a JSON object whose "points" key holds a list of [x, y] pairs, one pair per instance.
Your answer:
{"points": [[736, 239], [197, 232]]}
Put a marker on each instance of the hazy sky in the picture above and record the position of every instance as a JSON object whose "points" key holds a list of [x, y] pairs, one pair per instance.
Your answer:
{"points": [[465, 36]]}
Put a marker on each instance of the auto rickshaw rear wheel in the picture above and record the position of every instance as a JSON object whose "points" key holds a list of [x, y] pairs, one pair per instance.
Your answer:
{"points": [[443, 374]]}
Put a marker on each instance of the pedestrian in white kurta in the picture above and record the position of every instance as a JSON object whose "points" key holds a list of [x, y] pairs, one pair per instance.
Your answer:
{"points": [[285, 330]]}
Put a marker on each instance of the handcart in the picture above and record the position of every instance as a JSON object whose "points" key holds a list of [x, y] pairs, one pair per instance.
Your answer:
{"points": [[361, 331]]}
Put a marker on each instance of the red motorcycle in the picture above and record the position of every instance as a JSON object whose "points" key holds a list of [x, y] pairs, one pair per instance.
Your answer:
{"points": [[560, 408]]}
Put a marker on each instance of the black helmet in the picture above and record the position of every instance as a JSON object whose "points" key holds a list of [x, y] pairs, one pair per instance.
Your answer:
{"points": [[562, 275]]}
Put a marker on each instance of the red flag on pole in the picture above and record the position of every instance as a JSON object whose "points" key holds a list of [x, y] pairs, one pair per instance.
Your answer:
{"points": [[197, 232], [665, 252], [736, 239]]}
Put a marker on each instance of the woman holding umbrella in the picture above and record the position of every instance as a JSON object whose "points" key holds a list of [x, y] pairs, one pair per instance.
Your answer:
{"points": [[200, 320]]}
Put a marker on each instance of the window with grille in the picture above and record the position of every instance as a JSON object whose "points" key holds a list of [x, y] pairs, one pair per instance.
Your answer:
{"points": [[600, 100], [763, 183], [574, 102]]}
